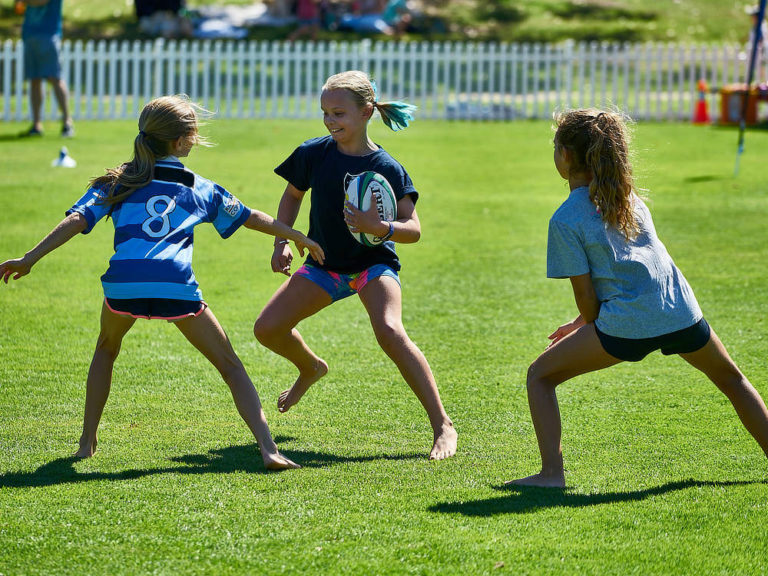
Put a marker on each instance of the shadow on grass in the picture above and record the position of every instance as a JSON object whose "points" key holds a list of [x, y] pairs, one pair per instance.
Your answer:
{"points": [[18, 137], [525, 499], [703, 178], [246, 458]]}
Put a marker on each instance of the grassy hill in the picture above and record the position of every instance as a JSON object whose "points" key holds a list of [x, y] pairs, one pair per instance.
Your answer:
{"points": [[494, 20]]}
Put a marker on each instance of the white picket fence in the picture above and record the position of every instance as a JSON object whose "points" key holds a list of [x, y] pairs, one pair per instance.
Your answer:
{"points": [[243, 79]]}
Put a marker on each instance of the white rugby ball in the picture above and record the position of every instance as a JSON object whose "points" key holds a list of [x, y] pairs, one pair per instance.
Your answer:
{"points": [[360, 190]]}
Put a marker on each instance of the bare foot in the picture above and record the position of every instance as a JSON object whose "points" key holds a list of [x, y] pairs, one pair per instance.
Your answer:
{"points": [[445, 443], [541, 480], [291, 396], [277, 461], [86, 450]]}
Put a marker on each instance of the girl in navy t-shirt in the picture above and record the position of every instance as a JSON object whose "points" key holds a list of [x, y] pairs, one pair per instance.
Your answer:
{"points": [[324, 166]]}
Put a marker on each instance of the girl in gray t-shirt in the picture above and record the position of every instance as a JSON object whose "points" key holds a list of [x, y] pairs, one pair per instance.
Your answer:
{"points": [[631, 297]]}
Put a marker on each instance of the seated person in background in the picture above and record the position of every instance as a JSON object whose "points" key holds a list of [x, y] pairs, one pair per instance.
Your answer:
{"points": [[389, 17], [308, 15], [164, 18], [397, 16]]}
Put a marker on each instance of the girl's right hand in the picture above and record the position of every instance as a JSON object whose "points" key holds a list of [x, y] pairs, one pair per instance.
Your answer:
{"points": [[16, 268], [282, 257], [564, 330]]}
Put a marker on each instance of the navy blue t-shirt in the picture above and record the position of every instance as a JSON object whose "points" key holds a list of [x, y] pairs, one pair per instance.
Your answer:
{"points": [[318, 165]]}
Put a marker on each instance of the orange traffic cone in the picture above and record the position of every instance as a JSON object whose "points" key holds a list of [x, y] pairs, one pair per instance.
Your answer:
{"points": [[701, 113]]}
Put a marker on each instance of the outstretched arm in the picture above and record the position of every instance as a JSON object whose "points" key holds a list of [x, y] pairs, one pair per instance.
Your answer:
{"points": [[67, 229], [265, 223]]}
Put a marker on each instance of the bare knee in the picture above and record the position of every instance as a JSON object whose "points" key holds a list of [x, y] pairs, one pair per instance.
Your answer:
{"points": [[229, 366], [730, 381], [538, 378], [265, 331], [108, 346], [391, 337]]}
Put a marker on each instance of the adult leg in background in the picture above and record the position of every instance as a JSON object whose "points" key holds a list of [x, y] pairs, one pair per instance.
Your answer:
{"points": [[36, 102], [62, 98], [382, 299]]}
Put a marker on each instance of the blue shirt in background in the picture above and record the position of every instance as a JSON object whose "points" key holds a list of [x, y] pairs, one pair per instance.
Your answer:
{"points": [[641, 291], [318, 164], [42, 20], [154, 232]]}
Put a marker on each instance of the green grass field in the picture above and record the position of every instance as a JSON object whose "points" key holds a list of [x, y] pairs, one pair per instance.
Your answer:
{"points": [[662, 477]]}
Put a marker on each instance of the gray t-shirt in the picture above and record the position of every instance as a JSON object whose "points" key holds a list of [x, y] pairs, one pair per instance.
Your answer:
{"points": [[641, 291]]}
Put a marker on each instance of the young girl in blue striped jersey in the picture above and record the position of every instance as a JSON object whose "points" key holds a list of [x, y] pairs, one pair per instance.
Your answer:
{"points": [[155, 203], [324, 165]]}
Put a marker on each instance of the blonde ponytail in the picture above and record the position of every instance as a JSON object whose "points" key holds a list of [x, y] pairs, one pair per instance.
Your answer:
{"points": [[161, 123]]}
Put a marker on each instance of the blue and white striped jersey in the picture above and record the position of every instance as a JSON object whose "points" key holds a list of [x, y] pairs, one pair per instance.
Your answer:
{"points": [[154, 231]]}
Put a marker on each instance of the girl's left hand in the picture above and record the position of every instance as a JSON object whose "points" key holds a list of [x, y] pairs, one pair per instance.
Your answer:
{"points": [[367, 222]]}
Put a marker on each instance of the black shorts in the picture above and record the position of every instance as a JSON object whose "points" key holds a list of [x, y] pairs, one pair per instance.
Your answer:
{"points": [[162, 308], [635, 349]]}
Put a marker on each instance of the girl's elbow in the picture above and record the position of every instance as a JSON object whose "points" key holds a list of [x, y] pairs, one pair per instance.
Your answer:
{"points": [[256, 220], [79, 222]]}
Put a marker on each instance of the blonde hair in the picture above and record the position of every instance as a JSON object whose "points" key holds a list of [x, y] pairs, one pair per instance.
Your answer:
{"points": [[396, 114], [162, 122], [599, 143]]}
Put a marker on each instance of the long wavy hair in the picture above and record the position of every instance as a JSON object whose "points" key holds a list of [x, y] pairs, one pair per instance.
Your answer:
{"points": [[162, 122], [395, 114], [599, 143]]}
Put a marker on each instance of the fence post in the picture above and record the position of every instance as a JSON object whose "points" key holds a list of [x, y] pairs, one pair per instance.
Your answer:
{"points": [[7, 62], [18, 58], [568, 65], [101, 59]]}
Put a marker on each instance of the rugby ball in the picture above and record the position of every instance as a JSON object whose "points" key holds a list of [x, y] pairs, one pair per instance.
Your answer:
{"points": [[360, 189]]}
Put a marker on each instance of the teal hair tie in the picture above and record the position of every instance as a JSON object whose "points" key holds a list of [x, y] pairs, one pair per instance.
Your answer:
{"points": [[375, 92], [396, 115]]}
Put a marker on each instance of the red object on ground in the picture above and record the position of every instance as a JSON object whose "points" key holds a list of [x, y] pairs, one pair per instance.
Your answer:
{"points": [[701, 112]]}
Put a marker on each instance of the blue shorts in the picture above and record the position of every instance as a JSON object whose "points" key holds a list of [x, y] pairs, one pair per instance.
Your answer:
{"points": [[635, 349], [340, 286], [41, 57], [160, 308]]}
